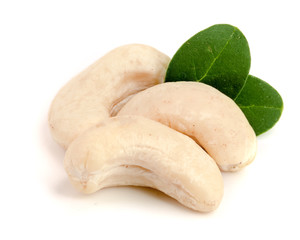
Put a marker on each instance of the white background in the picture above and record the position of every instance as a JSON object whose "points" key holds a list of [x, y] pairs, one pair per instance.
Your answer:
{"points": [[45, 43]]}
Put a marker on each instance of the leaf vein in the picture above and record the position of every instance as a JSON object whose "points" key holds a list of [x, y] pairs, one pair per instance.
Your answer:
{"points": [[255, 106], [216, 58]]}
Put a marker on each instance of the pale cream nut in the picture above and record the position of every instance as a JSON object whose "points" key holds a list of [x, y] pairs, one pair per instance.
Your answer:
{"points": [[205, 114], [132, 150], [102, 89]]}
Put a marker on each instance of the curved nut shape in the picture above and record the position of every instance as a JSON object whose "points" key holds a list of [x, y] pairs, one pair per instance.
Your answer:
{"points": [[133, 150], [103, 88], [202, 112]]}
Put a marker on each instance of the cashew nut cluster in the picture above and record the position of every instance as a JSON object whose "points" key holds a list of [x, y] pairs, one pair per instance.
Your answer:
{"points": [[121, 125], [205, 114], [132, 150], [103, 88]]}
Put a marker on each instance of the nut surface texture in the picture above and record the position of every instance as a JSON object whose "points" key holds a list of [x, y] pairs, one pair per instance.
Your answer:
{"points": [[103, 88], [205, 114], [133, 150]]}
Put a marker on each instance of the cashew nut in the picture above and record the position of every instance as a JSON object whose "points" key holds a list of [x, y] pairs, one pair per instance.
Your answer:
{"points": [[200, 111], [132, 150], [103, 88]]}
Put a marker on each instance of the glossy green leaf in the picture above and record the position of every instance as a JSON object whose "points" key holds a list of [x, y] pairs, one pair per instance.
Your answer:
{"points": [[218, 56], [261, 104]]}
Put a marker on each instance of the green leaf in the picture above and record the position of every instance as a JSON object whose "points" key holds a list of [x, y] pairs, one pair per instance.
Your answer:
{"points": [[218, 56], [261, 104]]}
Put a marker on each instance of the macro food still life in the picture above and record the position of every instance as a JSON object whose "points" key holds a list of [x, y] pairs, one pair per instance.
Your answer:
{"points": [[136, 117]]}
